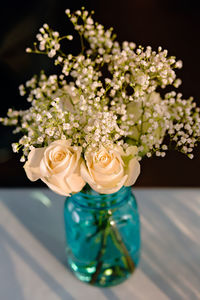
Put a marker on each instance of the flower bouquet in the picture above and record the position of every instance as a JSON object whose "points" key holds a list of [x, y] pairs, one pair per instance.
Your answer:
{"points": [[88, 128]]}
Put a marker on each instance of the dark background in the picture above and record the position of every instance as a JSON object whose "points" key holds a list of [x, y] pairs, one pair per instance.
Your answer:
{"points": [[172, 24]]}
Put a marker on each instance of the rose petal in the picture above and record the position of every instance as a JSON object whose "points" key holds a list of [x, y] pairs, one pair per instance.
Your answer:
{"points": [[44, 165], [108, 180], [102, 190], [133, 171], [63, 165], [75, 182], [89, 162], [112, 167], [56, 186], [32, 166], [86, 175]]}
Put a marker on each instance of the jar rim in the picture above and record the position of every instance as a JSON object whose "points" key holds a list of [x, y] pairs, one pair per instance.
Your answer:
{"points": [[101, 201]]}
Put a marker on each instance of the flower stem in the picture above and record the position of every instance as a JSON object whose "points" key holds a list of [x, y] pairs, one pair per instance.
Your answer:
{"points": [[117, 239], [100, 254]]}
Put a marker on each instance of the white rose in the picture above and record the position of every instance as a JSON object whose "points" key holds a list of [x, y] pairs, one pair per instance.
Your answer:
{"points": [[58, 165], [108, 169]]}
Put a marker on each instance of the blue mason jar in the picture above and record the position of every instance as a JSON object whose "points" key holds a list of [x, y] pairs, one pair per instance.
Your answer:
{"points": [[103, 235]]}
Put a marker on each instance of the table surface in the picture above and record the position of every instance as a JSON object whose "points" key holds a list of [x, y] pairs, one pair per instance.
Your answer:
{"points": [[32, 248]]}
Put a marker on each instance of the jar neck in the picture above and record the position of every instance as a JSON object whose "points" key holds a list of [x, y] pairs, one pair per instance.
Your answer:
{"points": [[90, 199]]}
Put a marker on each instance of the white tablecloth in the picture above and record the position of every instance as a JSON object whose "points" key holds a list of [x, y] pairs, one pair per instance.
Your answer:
{"points": [[32, 248]]}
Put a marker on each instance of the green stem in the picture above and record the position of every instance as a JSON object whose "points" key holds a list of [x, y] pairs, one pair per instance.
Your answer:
{"points": [[82, 43], [100, 254], [117, 239]]}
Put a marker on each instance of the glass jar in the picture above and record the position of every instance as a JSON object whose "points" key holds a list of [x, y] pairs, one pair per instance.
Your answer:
{"points": [[103, 235]]}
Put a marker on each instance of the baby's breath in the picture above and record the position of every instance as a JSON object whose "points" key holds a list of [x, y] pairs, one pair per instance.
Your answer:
{"points": [[90, 108]]}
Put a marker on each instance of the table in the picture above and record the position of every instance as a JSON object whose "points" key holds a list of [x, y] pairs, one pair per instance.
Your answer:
{"points": [[32, 248]]}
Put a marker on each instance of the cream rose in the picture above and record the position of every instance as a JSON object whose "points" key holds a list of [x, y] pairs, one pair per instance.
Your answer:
{"points": [[108, 169], [58, 165]]}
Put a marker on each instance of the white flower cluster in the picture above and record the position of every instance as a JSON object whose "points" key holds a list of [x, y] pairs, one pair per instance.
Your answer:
{"points": [[49, 41], [106, 95]]}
